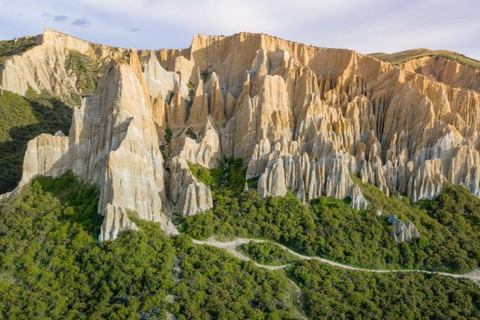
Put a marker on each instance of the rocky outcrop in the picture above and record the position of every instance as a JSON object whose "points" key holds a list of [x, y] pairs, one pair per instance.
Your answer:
{"points": [[404, 231], [303, 119], [445, 70], [44, 67], [189, 196], [46, 155], [112, 143], [203, 149]]}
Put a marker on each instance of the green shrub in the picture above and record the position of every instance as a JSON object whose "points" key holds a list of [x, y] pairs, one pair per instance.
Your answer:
{"points": [[267, 253], [86, 70], [334, 293], [216, 285], [10, 48], [51, 265]]}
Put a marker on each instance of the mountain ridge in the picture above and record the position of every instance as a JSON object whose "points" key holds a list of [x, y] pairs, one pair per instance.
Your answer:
{"points": [[302, 118]]}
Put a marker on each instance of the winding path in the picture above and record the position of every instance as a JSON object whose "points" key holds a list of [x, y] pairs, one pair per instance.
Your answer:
{"points": [[231, 246]]}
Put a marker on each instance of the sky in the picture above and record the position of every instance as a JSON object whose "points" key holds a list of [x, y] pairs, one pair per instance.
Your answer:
{"points": [[363, 25]]}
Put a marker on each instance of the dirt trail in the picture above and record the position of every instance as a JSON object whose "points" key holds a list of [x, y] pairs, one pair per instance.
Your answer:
{"points": [[231, 246]]}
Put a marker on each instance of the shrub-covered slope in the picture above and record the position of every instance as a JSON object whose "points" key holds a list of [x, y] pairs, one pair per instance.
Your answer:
{"points": [[449, 226]]}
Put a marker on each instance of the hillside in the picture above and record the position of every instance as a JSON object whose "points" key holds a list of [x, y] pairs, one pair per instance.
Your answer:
{"points": [[52, 266], [448, 67], [401, 57], [122, 169]]}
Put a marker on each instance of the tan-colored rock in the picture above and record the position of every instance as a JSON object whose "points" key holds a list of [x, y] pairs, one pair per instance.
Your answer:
{"points": [[404, 231], [302, 118], [46, 155], [199, 110], [217, 109], [189, 196], [43, 67], [445, 70], [205, 150], [177, 112]]}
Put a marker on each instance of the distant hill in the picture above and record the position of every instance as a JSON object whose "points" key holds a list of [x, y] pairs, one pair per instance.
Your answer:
{"points": [[404, 56]]}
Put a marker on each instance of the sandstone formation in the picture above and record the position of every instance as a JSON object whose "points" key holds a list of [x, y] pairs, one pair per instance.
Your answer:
{"points": [[43, 67], [404, 231], [188, 195], [302, 118], [446, 71]]}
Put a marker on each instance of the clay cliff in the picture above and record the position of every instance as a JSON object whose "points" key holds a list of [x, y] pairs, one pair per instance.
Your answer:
{"points": [[303, 119]]}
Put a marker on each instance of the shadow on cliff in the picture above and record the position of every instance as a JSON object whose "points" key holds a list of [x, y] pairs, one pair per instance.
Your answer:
{"points": [[50, 115]]}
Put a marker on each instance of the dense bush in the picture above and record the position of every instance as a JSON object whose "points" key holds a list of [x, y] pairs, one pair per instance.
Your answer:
{"points": [[228, 176], [215, 285], [267, 253], [449, 228], [333, 293], [51, 265]]}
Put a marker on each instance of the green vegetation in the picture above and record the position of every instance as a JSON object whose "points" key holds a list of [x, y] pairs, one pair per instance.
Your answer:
{"points": [[22, 119], [10, 48], [404, 56], [327, 227], [51, 265], [228, 176], [215, 285], [191, 134], [267, 253], [168, 135], [191, 93], [333, 293], [205, 74], [86, 70]]}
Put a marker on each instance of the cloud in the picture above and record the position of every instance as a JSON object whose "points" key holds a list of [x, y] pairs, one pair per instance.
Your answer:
{"points": [[134, 29], [60, 18], [81, 22], [55, 18]]}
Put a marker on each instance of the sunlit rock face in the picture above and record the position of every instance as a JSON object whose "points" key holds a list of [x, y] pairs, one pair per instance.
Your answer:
{"points": [[303, 119]]}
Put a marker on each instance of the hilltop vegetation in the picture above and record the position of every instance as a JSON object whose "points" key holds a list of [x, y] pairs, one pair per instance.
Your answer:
{"points": [[9, 48], [404, 56]]}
